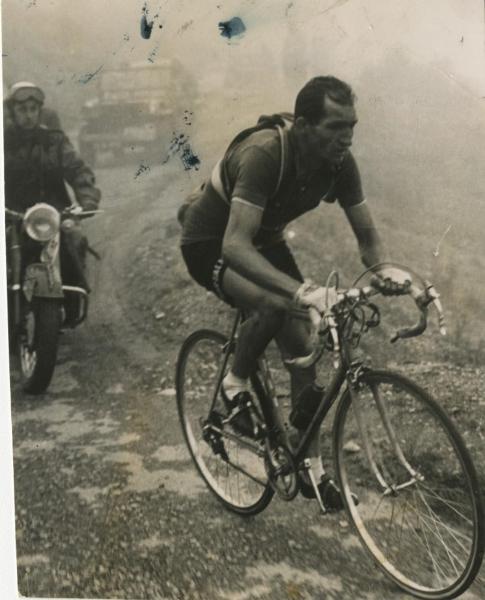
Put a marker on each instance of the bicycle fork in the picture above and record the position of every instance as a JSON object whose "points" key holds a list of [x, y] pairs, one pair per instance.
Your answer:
{"points": [[388, 489]]}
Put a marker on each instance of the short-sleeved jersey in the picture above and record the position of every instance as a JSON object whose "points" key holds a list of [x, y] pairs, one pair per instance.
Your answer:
{"points": [[253, 169]]}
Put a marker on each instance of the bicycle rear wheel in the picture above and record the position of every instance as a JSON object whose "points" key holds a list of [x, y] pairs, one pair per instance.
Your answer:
{"points": [[426, 531], [232, 466]]}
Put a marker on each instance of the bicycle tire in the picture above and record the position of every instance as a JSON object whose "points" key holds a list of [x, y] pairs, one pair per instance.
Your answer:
{"points": [[445, 508], [197, 367]]}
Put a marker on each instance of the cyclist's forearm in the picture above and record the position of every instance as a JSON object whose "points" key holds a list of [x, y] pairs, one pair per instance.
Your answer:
{"points": [[370, 247], [371, 254], [248, 262]]}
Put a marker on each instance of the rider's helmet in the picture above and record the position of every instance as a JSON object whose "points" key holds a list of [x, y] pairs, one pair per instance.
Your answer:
{"points": [[23, 91]]}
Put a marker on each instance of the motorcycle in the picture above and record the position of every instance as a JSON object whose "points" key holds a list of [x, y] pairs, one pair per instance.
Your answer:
{"points": [[47, 288]]}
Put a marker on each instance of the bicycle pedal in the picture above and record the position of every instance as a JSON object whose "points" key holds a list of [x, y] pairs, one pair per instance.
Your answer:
{"points": [[214, 440], [245, 422]]}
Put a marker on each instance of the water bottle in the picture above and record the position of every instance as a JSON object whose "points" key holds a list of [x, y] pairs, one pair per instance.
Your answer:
{"points": [[306, 406]]}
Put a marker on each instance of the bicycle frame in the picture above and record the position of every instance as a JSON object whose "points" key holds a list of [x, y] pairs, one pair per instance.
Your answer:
{"points": [[348, 371], [265, 390]]}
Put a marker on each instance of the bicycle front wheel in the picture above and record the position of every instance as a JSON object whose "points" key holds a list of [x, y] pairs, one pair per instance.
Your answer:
{"points": [[420, 513], [232, 466]]}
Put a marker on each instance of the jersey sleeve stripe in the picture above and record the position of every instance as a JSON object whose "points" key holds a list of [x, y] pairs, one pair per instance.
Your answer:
{"points": [[242, 201]]}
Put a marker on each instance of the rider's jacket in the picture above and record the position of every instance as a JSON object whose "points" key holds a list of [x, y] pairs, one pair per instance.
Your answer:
{"points": [[253, 170], [37, 164]]}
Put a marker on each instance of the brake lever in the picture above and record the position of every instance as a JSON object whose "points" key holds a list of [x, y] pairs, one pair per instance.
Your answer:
{"points": [[434, 298], [332, 326]]}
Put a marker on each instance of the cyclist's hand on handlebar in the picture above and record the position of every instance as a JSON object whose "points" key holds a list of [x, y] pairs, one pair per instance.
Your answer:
{"points": [[391, 281], [321, 298]]}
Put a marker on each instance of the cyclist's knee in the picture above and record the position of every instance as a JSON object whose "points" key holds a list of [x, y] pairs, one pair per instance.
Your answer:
{"points": [[272, 315], [295, 339]]}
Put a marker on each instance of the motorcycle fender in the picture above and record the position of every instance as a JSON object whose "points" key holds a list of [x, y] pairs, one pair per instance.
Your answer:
{"points": [[38, 283]]}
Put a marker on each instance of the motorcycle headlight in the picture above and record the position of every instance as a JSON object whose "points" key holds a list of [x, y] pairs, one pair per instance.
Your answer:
{"points": [[41, 222]]}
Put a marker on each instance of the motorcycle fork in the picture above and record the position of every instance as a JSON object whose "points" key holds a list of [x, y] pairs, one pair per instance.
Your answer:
{"points": [[49, 256], [15, 256]]}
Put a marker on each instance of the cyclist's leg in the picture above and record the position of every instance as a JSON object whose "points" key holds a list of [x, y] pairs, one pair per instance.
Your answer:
{"points": [[269, 312], [294, 340], [266, 310], [273, 318], [267, 316]]}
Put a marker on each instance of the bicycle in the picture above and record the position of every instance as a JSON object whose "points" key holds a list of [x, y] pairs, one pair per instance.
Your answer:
{"points": [[419, 513]]}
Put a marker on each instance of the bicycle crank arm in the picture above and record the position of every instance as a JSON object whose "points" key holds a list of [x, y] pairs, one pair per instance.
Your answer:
{"points": [[308, 465]]}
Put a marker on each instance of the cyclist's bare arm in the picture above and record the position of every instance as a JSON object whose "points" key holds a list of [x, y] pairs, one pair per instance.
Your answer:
{"points": [[370, 247], [242, 257]]}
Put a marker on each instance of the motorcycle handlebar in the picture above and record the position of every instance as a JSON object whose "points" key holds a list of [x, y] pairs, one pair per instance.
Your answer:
{"points": [[67, 212], [14, 214], [83, 215]]}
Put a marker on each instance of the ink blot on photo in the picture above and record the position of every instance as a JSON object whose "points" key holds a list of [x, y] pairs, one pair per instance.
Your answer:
{"points": [[232, 28], [146, 27], [180, 145]]}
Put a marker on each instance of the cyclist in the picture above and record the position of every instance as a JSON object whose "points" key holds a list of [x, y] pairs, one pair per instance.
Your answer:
{"points": [[233, 236]]}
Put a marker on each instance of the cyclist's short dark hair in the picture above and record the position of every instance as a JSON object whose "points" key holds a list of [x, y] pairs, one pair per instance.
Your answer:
{"points": [[310, 101]]}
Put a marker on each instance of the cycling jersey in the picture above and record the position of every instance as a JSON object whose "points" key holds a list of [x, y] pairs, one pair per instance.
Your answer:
{"points": [[253, 169]]}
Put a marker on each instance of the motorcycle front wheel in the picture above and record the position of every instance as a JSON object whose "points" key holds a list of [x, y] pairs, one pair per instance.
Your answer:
{"points": [[38, 342]]}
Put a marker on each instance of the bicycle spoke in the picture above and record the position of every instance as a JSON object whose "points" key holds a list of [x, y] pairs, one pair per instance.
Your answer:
{"points": [[390, 522], [446, 527], [432, 531], [448, 503]]}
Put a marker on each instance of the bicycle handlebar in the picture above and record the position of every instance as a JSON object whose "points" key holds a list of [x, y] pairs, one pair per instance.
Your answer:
{"points": [[327, 323]]}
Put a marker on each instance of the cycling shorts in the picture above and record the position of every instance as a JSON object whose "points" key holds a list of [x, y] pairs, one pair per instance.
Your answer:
{"points": [[205, 264]]}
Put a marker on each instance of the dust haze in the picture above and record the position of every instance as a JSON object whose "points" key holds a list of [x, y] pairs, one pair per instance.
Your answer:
{"points": [[417, 69]]}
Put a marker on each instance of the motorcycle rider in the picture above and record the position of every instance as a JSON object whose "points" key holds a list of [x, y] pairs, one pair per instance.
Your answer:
{"points": [[39, 160]]}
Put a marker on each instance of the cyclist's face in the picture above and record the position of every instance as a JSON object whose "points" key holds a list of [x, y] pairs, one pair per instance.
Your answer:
{"points": [[331, 138], [26, 115]]}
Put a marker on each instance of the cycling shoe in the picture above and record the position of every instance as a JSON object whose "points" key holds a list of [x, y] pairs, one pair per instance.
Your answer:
{"points": [[239, 416], [329, 492]]}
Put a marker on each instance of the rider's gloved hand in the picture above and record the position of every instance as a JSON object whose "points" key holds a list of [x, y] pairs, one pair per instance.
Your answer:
{"points": [[314, 296], [391, 281]]}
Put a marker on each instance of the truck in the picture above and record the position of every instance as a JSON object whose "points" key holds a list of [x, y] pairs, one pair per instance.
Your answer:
{"points": [[133, 114]]}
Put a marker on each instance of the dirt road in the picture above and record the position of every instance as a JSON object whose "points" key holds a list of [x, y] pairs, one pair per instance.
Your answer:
{"points": [[108, 503]]}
